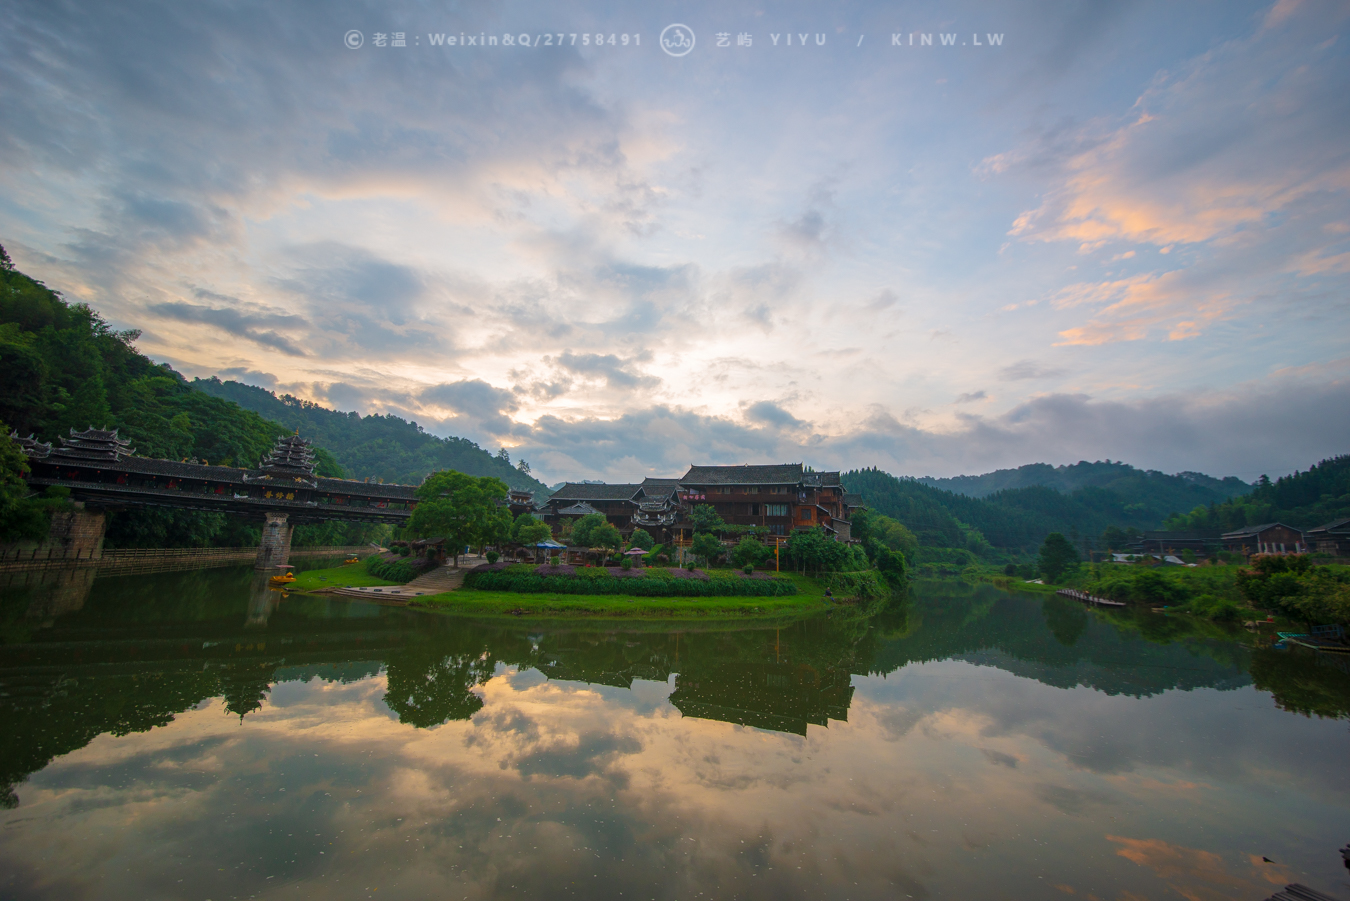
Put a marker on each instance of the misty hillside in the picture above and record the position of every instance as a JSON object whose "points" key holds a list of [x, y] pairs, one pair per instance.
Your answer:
{"points": [[1018, 519], [1182, 491], [1304, 500], [387, 447]]}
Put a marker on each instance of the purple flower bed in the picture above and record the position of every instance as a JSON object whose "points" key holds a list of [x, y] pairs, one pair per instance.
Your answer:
{"points": [[689, 574], [562, 569], [491, 567]]}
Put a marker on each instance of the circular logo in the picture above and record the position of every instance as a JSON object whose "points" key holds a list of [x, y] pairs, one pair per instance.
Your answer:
{"points": [[677, 40], [354, 39]]}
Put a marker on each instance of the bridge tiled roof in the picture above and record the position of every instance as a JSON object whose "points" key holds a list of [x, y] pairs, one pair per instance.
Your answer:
{"points": [[230, 475]]}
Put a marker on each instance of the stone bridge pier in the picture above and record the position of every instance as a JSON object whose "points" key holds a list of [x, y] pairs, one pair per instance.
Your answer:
{"points": [[78, 532], [275, 548]]}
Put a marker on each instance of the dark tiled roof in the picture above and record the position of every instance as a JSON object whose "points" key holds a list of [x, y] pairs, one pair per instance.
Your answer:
{"points": [[1339, 525], [1200, 535], [759, 474], [854, 500], [658, 488], [366, 489], [580, 508], [581, 491], [1256, 530]]}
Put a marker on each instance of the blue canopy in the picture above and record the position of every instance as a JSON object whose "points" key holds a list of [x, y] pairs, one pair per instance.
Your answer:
{"points": [[550, 543]]}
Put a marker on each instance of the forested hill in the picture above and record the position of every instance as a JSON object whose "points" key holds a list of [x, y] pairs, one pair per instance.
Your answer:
{"points": [[1304, 500], [63, 367], [1015, 519], [383, 446], [1176, 492]]}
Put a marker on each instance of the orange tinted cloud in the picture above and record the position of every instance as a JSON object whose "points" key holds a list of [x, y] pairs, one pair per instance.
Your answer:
{"points": [[1137, 305]]}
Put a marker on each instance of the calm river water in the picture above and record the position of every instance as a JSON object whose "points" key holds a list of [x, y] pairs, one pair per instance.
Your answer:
{"points": [[194, 735]]}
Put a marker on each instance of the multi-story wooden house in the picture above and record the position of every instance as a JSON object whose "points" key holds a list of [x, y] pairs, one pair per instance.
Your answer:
{"points": [[781, 497], [778, 497]]}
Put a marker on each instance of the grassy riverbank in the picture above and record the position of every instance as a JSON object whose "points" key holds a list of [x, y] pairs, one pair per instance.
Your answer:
{"points": [[810, 597], [1208, 592], [352, 575]]}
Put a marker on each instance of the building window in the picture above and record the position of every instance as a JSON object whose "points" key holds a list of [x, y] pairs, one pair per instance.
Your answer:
{"points": [[775, 509], [806, 514]]}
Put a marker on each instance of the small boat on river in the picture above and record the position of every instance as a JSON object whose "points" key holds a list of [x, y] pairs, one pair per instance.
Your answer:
{"points": [[1322, 638], [284, 578]]}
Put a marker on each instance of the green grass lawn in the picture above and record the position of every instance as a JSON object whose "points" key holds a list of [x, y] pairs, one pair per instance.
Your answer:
{"points": [[353, 575], [809, 598]]}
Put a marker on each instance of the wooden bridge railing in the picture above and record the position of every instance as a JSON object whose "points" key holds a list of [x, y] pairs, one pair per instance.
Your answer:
{"points": [[142, 560]]}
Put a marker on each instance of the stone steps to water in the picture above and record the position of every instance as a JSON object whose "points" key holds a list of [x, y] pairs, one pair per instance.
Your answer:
{"points": [[440, 580]]}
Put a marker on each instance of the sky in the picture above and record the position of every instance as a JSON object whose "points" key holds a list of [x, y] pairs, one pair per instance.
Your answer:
{"points": [[1047, 232]]}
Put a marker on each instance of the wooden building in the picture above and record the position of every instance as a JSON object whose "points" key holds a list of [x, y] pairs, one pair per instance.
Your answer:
{"points": [[1268, 538], [1203, 542], [778, 497], [1332, 538], [577, 499]]}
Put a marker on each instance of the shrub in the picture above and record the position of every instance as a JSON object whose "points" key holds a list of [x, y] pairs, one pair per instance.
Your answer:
{"points": [[641, 538], [599, 581], [1218, 609], [627, 563], [493, 556], [391, 571], [864, 585], [748, 569]]}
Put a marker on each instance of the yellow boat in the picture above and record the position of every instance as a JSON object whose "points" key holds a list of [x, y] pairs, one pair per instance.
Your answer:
{"points": [[285, 577], [353, 559]]}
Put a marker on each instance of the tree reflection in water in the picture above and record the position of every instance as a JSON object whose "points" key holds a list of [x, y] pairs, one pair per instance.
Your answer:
{"points": [[138, 650]]}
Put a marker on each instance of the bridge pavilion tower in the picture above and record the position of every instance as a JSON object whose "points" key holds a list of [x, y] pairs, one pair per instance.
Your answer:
{"points": [[291, 462]]}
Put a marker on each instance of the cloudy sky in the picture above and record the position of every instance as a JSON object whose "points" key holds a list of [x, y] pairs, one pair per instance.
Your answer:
{"points": [[1120, 230]]}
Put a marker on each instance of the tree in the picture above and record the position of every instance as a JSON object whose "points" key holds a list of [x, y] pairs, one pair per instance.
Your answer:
{"points": [[529, 531], [749, 552], [606, 535], [705, 519], [707, 547], [1057, 555], [641, 538], [523, 467], [583, 528], [19, 517], [461, 508]]}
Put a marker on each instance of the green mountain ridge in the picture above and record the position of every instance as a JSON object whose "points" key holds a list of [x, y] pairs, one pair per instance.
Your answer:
{"points": [[1017, 519], [383, 446], [1111, 475], [1304, 500]]}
